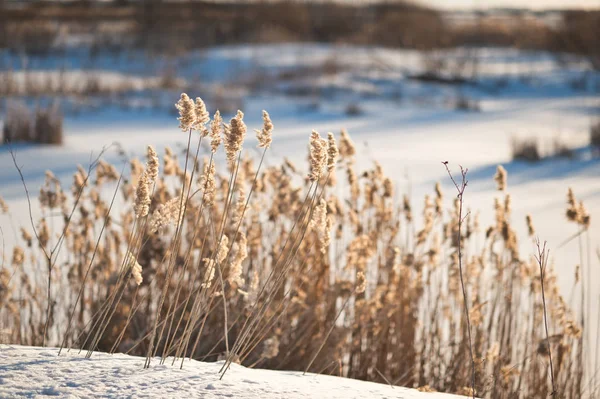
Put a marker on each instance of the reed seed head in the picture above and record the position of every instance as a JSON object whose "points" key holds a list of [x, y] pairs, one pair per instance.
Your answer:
{"points": [[223, 249], [187, 113], [318, 156], [201, 115], [152, 164], [132, 264], [500, 178], [264, 136], [236, 267], [216, 126], [332, 152], [166, 214], [235, 133], [142, 196], [209, 184], [346, 147], [530, 228]]}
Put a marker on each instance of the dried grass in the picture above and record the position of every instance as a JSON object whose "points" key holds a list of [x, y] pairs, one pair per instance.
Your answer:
{"points": [[269, 268], [43, 126]]}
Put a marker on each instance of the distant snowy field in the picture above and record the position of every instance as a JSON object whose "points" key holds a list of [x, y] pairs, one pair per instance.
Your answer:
{"points": [[29, 372]]}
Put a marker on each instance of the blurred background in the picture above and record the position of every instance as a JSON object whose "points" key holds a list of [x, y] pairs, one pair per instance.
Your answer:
{"points": [[85, 55]]}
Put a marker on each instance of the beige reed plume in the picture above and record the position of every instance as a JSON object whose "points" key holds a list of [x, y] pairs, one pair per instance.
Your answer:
{"points": [[187, 113], [318, 155], [235, 133], [264, 135]]}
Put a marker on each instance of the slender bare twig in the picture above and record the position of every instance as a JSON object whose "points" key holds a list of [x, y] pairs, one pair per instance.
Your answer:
{"points": [[461, 190], [56, 249], [542, 259], [171, 264], [87, 272]]}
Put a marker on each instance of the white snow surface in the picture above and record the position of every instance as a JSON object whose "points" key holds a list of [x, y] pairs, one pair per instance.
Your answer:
{"points": [[33, 372]]}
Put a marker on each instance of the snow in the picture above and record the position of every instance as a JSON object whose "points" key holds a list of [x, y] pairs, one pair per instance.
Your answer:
{"points": [[28, 372]]}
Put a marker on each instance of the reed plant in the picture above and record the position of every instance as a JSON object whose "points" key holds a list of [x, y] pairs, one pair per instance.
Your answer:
{"points": [[213, 255]]}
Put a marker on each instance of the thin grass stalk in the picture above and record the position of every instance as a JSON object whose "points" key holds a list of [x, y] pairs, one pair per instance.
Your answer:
{"points": [[202, 202], [191, 285], [282, 274], [252, 318], [89, 268], [181, 212], [47, 255], [218, 265], [121, 283], [149, 331], [581, 354], [543, 262], [170, 266], [133, 247], [104, 326], [300, 216], [187, 330]]}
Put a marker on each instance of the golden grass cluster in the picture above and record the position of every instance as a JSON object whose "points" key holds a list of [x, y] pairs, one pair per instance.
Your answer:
{"points": [[210, 256]]}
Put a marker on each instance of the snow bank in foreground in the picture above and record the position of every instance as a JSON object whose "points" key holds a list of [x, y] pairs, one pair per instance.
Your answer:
{"points": [[39, 372]]}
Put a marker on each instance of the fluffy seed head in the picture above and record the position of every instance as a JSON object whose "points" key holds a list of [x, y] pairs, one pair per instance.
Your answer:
{"points": [[530, 228], [347, 148], [142, 196], [235, 269], [500, 178], [166, 214], [132, 264], [223, 249], [78, 182], [187, 113], [209, 184], [318, 156], [264, 136], [576, 212], [215, 132], [235, 133], [321, 224], [201, 115], [332, 151], [152, 164]]}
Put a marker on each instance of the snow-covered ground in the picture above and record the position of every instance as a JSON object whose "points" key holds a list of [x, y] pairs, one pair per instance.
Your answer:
{"points": [[29, 372]]}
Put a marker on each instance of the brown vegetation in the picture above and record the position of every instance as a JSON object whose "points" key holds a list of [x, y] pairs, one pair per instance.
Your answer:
{"points": [[175, 27], [276, 267], [43, 126], [526, 149]]}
